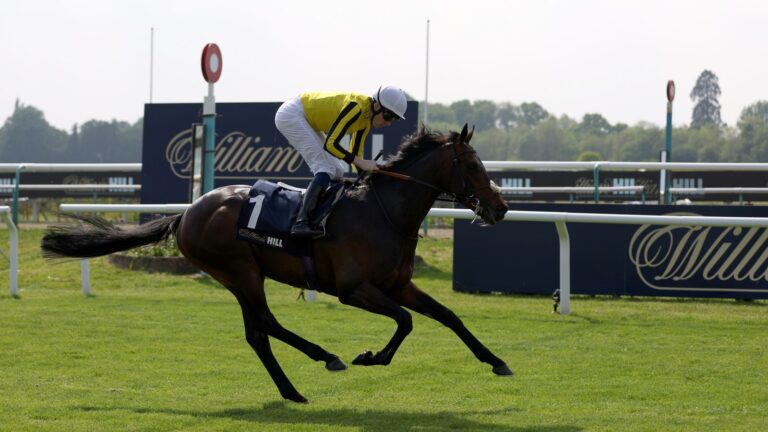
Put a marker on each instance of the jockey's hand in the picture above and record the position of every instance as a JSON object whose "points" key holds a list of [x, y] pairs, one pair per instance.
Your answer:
{"points": [[365, 165]]}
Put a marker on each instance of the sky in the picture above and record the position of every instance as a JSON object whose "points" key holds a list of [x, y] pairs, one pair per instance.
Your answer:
{"points": [[79, 60]]}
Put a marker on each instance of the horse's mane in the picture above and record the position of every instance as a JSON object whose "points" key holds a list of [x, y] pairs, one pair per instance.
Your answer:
{"points": [[416, 144]]}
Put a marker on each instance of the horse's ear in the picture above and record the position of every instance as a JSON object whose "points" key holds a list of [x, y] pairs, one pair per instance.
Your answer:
{"points": [[463, 137], [469, 135]]}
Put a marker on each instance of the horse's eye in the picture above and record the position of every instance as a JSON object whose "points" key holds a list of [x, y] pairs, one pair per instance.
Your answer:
{"points": [[472, 166]]}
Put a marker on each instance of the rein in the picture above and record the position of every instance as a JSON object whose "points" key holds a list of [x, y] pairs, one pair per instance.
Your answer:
{"points": [[404, 177], [469, 193]]}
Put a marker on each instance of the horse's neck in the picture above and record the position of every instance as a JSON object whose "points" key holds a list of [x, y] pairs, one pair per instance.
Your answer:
{"points": [[407, 203]]}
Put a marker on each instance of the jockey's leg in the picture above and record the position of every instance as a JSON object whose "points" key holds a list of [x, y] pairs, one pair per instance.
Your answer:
{"points": [[302, 227]]}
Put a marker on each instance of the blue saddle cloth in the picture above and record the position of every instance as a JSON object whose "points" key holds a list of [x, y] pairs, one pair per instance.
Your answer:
{"points": [[268, 214]]}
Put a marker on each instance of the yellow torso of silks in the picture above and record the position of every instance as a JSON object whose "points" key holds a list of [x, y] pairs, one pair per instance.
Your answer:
{"points": [[339, 114]]}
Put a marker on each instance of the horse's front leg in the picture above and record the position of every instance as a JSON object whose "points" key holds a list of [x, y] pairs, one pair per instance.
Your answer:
{"points": [[417, 300], [370, 298]]}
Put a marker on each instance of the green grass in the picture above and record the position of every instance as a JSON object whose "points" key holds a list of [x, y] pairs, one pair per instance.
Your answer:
{"points": [[155, 352]]}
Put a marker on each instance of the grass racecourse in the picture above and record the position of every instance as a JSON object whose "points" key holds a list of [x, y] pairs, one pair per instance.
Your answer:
{"points": [[151, 352]]}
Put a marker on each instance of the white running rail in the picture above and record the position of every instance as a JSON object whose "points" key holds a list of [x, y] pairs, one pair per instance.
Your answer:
{"points": [[559, 218]]}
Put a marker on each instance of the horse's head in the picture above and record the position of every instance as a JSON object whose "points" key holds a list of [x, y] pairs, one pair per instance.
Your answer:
{"points": [[454, 169], [469, 181]]}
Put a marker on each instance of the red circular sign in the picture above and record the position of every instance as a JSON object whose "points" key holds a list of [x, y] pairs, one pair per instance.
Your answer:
{"points": [[670, 90], [211, 63]]}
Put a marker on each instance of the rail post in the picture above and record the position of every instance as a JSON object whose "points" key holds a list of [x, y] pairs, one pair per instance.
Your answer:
{"points": [[15, 207], [596, 180], [14, 251]]}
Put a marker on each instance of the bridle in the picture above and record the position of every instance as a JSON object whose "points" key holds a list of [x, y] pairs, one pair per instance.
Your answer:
{"points": [[468, 197]]}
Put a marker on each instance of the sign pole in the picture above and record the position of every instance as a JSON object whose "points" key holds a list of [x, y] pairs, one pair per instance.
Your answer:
{"points": [[209, 126], [668, 146], [211, 63]]}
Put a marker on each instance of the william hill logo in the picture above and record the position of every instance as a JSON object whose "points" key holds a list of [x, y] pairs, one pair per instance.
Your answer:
{"points": [[693, 258], [260, 238], [237, 155]]}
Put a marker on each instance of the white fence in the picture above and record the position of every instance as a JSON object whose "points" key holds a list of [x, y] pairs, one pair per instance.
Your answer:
{"points": [[662, 167], [18, 168], [68, 167], [560, 220], [622, 166], [13, 249]]}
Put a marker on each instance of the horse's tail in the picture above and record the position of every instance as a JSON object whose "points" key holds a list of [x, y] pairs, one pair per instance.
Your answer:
{"points": [[96, 237]]}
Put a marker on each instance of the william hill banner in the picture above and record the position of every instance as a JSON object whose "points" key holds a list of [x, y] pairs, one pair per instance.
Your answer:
{"points": [[635, 260], [248, 147]]}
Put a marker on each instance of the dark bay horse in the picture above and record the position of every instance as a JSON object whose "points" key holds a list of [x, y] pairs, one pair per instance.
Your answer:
{"points": [[366, 260]]}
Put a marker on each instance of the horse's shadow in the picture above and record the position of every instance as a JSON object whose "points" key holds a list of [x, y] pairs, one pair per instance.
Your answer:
{"points": [[276, 413]]}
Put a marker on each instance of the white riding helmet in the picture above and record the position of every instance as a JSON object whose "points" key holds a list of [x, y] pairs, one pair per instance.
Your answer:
{"points": [[393, 99]]}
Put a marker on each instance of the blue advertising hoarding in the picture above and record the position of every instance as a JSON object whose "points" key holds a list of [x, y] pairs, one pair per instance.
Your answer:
{"points": [[608, 259], [248, 147]]}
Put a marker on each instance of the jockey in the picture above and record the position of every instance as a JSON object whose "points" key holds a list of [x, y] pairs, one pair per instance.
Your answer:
{"points": [[314, 124]]}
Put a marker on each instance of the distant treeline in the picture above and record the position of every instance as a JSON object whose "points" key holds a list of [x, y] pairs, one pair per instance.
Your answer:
{"points": [[529, 132], [27, 137], [504, 132]]}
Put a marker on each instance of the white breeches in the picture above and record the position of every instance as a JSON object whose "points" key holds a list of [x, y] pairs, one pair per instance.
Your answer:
{"points": [[292, 123]]}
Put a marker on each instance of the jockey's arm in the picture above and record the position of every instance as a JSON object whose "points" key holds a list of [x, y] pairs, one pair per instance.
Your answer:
{"points": [[346, 118]]}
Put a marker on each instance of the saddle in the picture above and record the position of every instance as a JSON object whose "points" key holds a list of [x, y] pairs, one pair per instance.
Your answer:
{"points": [[269, 213]]}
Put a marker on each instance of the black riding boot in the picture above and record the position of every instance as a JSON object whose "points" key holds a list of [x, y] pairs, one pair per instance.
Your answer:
{"points": [[312, 195]]}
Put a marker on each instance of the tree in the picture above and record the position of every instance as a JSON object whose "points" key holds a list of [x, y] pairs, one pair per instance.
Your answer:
{"points": [[706, 110], [757, 111], [96, 140], [589, 156], [463, 111], [704, 144], [595, 124], [484, 115], [27, 137], [547, 141], [640, 143], [752, 142], [494, 144], [508, 116], [439, 113], [533, 113]]}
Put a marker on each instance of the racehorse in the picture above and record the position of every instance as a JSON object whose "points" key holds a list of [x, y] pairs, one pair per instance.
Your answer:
{"points": [[366, 260]]}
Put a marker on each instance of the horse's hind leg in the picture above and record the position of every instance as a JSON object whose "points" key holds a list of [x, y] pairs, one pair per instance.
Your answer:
{"points": [[258, 338], [260, 324], [267, 322], [417, 300]]}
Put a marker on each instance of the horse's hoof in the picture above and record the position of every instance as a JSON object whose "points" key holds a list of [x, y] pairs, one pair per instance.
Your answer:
{"points": [[297, 398], [336, 365], [503, 370], [364, 359]]}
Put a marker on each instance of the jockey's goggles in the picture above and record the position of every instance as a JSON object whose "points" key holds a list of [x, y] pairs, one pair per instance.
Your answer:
{"points": [[388, 115]]}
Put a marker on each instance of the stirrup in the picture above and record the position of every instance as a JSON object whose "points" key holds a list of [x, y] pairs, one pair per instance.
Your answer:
{"points": [[302, 229]]}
